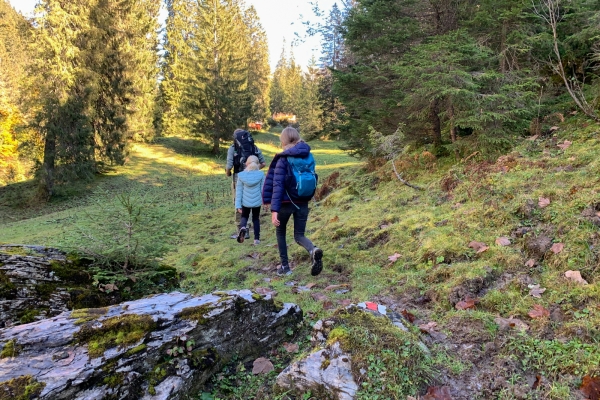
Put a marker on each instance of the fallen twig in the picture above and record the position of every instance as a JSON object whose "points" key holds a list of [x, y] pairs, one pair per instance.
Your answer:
{"points": [[471, 156], [402, 180]]}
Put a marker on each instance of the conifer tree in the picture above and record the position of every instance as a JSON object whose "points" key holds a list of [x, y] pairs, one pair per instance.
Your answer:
{"points": [[286, 85], [277, 91], [310, 111], [257, 58], [176, 70], [217, 99], [64, 89], [143, 69], [89, 66], [332, 41]]}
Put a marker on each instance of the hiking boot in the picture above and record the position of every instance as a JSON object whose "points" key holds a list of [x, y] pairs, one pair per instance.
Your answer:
{"points": [[317, 261], [256, 242], [284, 270], [242, 235], [247, 235]]}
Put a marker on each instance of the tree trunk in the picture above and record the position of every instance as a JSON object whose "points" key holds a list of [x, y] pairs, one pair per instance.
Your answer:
{"points": [[49, 161], [452, 126], [503, 48], [215, 143], [434, 111]]}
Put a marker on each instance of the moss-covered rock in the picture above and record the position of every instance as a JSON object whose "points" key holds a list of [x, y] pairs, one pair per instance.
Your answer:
{"points": [[10, 349], [115, 331], [42, 282], [21, 388], [126, 351]]}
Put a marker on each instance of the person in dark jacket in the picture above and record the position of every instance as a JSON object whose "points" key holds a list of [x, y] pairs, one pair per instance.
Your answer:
{"points": [[283, 208]]}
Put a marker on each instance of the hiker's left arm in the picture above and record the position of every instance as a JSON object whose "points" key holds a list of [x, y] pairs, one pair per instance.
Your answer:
{"points": [[261, 158]]}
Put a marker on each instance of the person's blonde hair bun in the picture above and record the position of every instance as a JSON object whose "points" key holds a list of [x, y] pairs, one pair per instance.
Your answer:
{"points": [[252, 164]]}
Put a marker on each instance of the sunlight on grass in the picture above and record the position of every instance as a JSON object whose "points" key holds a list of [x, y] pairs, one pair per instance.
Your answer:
{"points": [[337, 166], [158, 154]]}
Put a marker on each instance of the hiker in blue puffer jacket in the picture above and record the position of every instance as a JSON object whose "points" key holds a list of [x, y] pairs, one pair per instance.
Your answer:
{"points": [[283, 208], [248, 197]]}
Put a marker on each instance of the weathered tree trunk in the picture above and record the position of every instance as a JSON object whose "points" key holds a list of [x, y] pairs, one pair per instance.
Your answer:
{"points": [[452, 125], [160, 347], [49, 162]]}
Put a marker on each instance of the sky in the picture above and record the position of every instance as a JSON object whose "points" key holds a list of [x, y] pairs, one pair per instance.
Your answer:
{"points": [[280, 19]]}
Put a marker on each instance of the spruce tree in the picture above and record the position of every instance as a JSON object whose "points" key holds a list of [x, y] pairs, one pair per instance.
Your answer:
{"points": [[143, 69], [286, 85], [257, 58], [217, 100], [310, 111], [89, 68], [64, 91], [176, 70], [332, 41], [277, 90]]}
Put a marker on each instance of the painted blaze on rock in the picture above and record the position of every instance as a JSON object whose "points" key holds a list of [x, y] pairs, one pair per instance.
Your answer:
{"points": [[127, 351]]}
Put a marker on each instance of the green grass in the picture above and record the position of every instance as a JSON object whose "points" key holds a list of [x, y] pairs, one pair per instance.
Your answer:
{"points": [[369, 216]]}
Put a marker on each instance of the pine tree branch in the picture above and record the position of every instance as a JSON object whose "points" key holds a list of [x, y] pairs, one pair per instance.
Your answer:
{"points": [[399, 176]]}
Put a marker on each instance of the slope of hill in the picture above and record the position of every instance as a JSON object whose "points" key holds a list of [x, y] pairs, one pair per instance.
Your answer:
{"points": [[479, 259]]}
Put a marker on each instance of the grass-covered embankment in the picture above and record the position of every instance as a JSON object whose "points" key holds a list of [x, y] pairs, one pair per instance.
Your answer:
{"points": [[535, 197]]}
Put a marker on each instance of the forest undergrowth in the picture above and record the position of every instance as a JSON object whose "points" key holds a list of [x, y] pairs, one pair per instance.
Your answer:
{"points": [[478, 261]]}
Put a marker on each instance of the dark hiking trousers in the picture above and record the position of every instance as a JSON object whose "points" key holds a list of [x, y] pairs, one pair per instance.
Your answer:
{"points": [[255, 219], [300, 215]]}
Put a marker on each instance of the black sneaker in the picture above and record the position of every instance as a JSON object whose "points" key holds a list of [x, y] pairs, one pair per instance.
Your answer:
{"points": [[242, 235], [317, 261], [284, 270]]}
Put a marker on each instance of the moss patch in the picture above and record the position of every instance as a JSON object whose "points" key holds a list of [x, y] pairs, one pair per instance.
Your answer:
{"points": [[395, 362], [72, 271], [88, 314], [28, 316], [204, 358], [116, 331], [8, 290], [21, 388], [136, 349], [45, 290], [195, 313], [113, 380], [10, 349]]}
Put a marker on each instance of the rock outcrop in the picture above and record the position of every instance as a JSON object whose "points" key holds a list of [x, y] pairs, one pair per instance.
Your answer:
{"points": [[37, 282], [29, 289], [161, 347], [327, 371], [331, 370]]}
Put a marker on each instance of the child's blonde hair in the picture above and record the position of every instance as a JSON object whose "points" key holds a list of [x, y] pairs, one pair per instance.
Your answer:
{"points": [[252, 164], [289, 137]]}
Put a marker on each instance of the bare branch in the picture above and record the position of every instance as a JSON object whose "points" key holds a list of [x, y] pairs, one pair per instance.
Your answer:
{"points": [[399, 176], [549, 11]]}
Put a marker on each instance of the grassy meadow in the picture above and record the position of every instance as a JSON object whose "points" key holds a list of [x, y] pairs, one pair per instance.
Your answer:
{"points": [[388, 243]]}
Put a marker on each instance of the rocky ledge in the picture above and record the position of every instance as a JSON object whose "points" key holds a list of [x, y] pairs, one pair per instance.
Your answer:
{"points": [[161, 347]]}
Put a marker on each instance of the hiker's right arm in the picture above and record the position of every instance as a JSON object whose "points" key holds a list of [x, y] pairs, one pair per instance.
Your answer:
{"points": [[229, 165]]}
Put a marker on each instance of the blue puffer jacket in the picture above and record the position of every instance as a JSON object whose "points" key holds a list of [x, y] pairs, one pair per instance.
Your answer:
{"points": [[274, 188], [248, 191]]}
